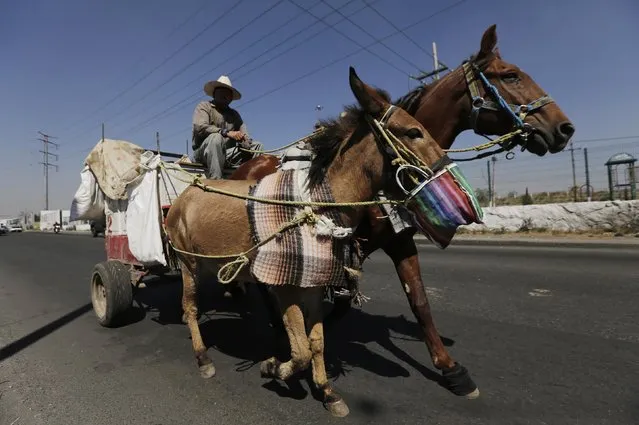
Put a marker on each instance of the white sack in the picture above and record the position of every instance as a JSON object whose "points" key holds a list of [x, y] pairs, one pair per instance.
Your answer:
{"points": [[88, 201], [143, 220]]}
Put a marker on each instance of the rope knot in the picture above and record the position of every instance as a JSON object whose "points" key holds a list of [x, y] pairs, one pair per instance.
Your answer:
{"points": [[229, 271]]}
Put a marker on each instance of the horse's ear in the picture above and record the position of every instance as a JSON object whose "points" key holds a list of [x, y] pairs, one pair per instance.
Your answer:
{"points": [[367, 97], [488, 41]]}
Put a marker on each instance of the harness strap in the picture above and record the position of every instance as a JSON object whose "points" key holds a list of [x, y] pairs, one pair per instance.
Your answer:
{"points": [[517, 112]]}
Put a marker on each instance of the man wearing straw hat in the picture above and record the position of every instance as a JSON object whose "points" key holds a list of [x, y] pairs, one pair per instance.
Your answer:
{"points": [[218, 129]]}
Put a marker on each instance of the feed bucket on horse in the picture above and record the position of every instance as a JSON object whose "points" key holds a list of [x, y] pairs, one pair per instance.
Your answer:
{"points": [[446, 108], [209, 223]]}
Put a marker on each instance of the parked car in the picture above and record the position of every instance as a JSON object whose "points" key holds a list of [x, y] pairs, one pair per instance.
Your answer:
{"points": [[3, 229], [15, 228], [98, 226]]}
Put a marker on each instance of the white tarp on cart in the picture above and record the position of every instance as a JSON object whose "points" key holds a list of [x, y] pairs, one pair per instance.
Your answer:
{"points": [[126, 183], [109, 168]]}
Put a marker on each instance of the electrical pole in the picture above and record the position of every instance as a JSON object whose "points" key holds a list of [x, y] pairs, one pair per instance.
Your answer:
{"points": [[438, 66], [46, 164], [494, 160], [574, 175], [588, 191], [490, 185]]}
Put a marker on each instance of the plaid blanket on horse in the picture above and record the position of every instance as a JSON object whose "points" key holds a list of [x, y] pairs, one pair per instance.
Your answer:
{"points": [[309, 255]]}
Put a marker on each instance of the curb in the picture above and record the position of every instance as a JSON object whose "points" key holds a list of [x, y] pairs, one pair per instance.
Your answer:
{"points": [[540, 243], [64, 232], [616, 243]]}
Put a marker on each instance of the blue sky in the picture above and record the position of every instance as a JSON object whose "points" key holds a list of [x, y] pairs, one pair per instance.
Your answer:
{"points": [[69, 66]]}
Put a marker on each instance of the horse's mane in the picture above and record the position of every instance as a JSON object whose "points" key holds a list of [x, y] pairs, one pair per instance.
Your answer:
{"points": [[331, 142], [411, 100]]}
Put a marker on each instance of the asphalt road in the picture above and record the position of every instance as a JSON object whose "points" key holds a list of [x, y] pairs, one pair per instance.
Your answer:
{"points": [[550, 335]]}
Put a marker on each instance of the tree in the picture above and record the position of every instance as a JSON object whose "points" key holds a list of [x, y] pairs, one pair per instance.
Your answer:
{"points": [[527, 199], [482, 196]]}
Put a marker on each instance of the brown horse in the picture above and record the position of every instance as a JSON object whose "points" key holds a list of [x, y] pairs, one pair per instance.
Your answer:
{"points": [[351, 158], [446, 108]]}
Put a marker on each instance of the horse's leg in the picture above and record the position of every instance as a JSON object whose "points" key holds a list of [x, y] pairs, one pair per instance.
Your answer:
{"points": [[189, 305], [403, 251], [372, 233], [273, 312], [332, 401], [289, 299]]}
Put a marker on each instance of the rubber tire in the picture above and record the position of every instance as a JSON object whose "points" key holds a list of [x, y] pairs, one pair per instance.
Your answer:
{"points": [[115, 277]]}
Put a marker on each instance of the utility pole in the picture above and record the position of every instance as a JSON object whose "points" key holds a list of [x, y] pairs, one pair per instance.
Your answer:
{"points": [[574, 175], [490, 185], [438, 66], [494, 160], [46, 164], [588, 191]]}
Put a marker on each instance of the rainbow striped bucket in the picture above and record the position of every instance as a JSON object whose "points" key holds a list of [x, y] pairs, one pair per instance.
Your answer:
{"points": [[441, 202]]}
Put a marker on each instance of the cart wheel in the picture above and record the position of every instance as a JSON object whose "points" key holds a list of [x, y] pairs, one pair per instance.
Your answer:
{"points": [[111, 291]]}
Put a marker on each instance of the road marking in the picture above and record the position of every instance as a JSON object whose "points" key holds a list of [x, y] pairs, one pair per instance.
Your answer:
{"points": [[539, 293]]}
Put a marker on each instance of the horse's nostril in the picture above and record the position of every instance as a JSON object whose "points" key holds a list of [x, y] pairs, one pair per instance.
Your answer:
{"points": [[566, 129]]}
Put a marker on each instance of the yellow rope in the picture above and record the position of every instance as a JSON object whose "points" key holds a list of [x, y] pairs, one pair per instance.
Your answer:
{"points": [[486, 145], [229, 271], [313, 134], [195, 180]]}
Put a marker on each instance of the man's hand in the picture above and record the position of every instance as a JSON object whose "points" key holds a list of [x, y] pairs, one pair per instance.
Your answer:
{"points": [[236, 135]]}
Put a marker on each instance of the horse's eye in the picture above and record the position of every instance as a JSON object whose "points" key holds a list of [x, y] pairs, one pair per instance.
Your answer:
{"points": [[510, 77], [414, 133]]}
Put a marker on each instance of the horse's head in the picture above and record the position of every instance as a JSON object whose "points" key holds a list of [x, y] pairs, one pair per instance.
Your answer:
{"points": [[516, 96], [395, 122], [437, 192]]}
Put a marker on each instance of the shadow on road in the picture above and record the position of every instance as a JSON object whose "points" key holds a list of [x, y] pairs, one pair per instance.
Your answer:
{"points": [[253, 340], [27, 340]]}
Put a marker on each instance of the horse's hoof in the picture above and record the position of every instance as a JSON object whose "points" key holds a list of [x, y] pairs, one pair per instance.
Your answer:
{"points": [[207, 371], [337, 408], [458, 381], [268, 368], [473, 395]]}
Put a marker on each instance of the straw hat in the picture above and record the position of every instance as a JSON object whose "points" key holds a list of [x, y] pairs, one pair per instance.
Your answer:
{"points": [[223, 81]]}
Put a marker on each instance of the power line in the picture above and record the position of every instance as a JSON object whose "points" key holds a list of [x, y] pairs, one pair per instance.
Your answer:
{"points": [[46, 164], [171, 56], [177, 106], [308, 74], [365, 31], [419, 46], [200, 57], [605, 139], [358, 50], [226, 59]]}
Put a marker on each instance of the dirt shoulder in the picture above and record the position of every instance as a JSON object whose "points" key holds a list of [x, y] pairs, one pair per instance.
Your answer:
{"points": [[541, 238]]}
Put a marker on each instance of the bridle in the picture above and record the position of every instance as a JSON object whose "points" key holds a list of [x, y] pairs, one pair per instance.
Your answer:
{"points": [[398, 153], [517, 113]]}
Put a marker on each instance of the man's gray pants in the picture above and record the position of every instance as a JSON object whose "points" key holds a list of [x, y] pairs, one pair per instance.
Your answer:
{"points": [[215, 150]]}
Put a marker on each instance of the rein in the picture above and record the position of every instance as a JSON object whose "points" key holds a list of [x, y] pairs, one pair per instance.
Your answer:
{"points": [[230, 270], [517, 113]]}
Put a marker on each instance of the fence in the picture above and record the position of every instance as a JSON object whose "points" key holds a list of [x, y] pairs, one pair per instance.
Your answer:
{"points": [[549, 179]]}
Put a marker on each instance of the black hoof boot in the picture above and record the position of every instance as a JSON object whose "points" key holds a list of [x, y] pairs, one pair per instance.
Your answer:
{"points": [[458, 381]]}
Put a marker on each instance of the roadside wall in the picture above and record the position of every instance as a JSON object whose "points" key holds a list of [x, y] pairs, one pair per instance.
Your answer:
{"points": [[579, 216]]}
